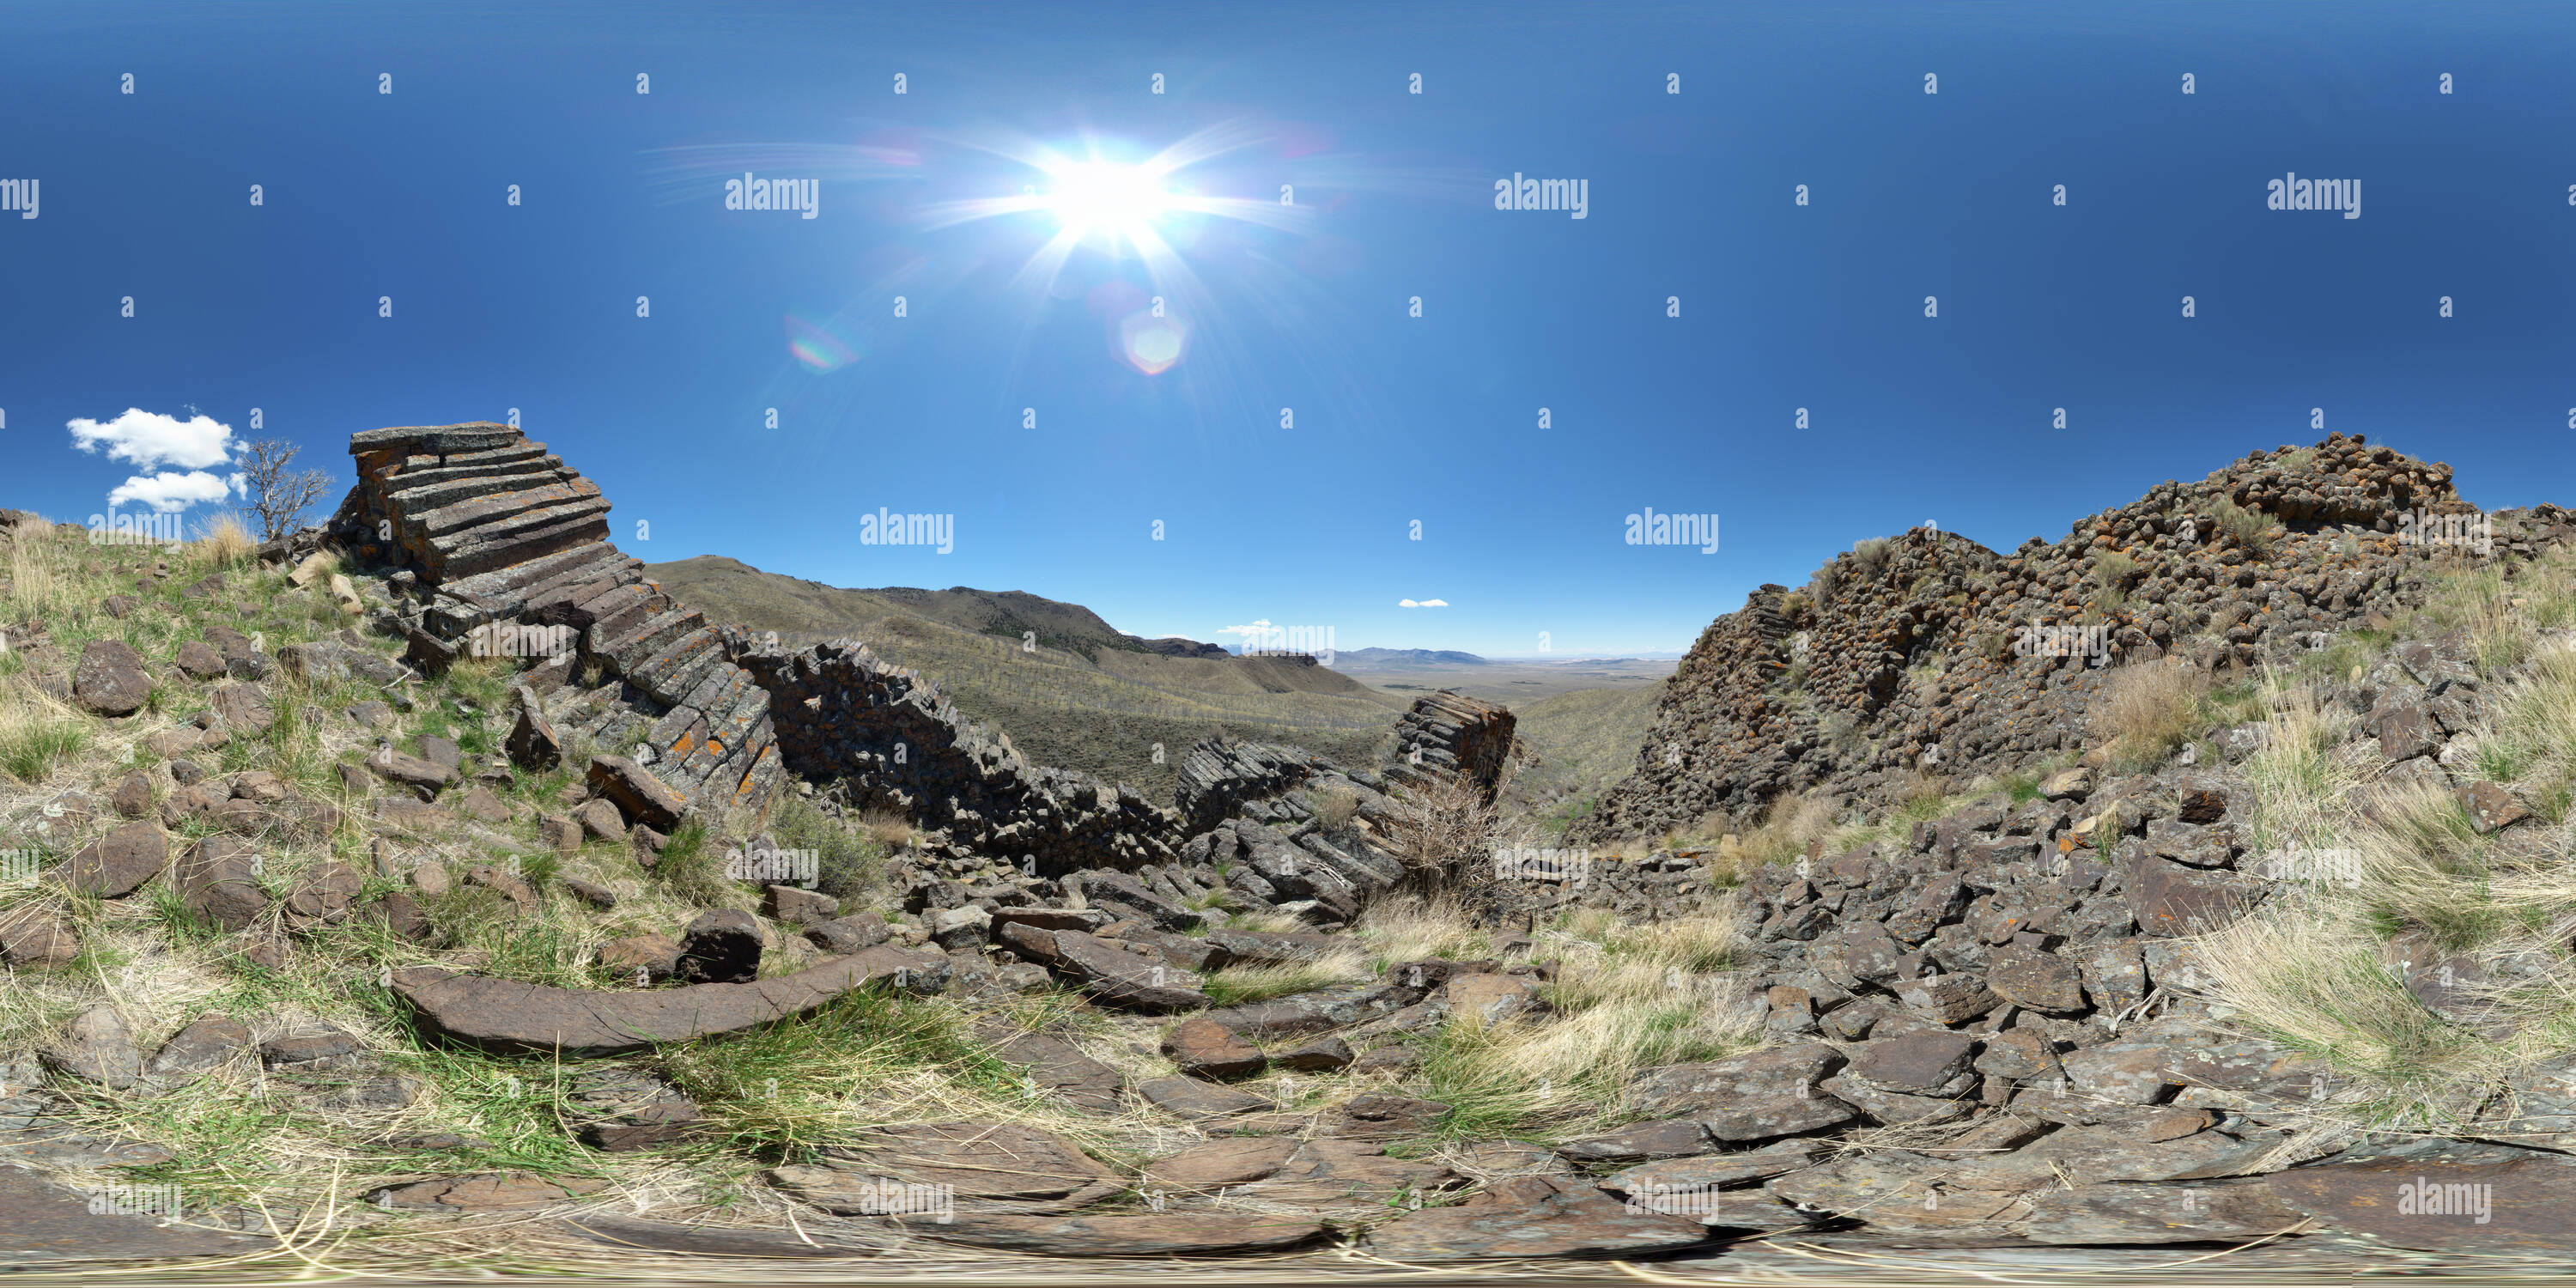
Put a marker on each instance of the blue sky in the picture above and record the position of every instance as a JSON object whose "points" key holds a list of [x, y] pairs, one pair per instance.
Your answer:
{"points": [[367, 195]]}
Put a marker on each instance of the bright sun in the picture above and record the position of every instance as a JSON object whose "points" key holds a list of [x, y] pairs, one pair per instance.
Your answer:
{"points": [[1104, 196]]}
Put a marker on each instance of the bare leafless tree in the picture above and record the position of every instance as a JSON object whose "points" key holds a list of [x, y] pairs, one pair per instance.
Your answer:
{"points": [[278, 494]]}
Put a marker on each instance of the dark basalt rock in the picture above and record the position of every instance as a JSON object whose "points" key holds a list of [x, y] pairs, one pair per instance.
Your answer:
{"points": [[506, 1015]]}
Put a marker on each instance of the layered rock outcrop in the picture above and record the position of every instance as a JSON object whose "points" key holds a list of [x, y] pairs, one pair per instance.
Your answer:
{"points": [[503, 549], [844, 715], [494, 542], [1453, 734]]}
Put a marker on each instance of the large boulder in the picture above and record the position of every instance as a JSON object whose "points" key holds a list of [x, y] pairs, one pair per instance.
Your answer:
{"points": [[1203, 1048], [1115, 976], [33, 937], [722, 946], [219, 881], [117, 864], [99, 1048], [1761, 1095], [644, 798], [110, 680]]}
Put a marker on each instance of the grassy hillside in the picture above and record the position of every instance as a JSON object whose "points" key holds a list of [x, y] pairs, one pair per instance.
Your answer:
{"points": [[1086, 697], [1586, 740]]}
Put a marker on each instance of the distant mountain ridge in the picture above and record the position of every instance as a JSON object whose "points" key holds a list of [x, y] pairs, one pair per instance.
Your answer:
{"points": [[779, 602], [1393, 657]]}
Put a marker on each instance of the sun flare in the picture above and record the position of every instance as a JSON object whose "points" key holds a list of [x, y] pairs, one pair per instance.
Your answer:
{"points": [[1105, 196]]}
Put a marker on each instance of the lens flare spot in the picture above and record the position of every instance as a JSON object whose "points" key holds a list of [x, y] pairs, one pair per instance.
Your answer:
{"points": [[1150, 344], [817, 347]]}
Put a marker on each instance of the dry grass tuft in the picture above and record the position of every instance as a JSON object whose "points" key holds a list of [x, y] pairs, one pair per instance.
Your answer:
{"points": [[1789, 825], [2147, 711], [889, 828], [1335, 805], [36, 732], [1626, 998], [224, 543], [49, 583], [2300, 776]]}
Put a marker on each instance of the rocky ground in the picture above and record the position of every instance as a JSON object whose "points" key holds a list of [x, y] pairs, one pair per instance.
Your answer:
{"points": [[346, 942]]}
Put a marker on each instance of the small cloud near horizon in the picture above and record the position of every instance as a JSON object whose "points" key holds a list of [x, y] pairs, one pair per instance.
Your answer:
{"points": [[169, 493], [148, 440], [1427, 603]]}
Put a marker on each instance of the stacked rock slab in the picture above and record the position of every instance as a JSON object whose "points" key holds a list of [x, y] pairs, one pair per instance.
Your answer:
{"points": [[1220, 779], [1451, 733], [498, 532]]}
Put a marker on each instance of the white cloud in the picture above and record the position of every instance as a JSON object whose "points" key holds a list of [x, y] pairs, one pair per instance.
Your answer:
{"points": [[169, 492], [1260, 629], [148, 439], [1427, 603]]}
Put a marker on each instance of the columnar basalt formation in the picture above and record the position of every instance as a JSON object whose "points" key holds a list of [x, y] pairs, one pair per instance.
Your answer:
{"points": [[492, 533], [1930, 653], [844, 715], [1451, 733], [465, 500]]}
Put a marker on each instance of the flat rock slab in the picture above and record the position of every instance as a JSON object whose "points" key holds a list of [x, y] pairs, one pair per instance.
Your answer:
{"points": [[2524, 1203], [245, 708], [117, 864], [41, 1221], [31, 1135], [711, 1241], [1055, 1065], [1640, 1142], [1322, 1010], [1269, 947], [1902, 1193], [489, 1192], [1720, 1088], [1112, 975], [2170, 899], [2113, 1152], [1206, 1049], [2237, 1211], [1191, 1098], [1534, 1216], [988, 1167], [1164, 1234], [1713, 1171], [32, 936], [1319, 1175], [507, 1015]]}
